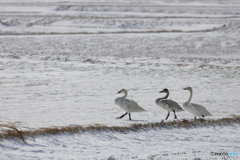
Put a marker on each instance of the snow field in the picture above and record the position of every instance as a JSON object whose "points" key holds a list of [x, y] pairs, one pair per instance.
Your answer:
{"points": [[62, 64]]}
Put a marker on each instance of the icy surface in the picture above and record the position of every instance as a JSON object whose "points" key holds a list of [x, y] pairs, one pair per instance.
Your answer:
{"points": [[63, 62]]}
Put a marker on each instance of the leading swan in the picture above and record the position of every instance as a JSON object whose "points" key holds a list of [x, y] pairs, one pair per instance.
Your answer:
{"points": [[128, 105], [195, 109], [167, 104]]}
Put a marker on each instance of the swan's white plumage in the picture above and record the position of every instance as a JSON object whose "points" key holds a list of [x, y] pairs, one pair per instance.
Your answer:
{"points": [[195, 109], [167, 104], [126, 104]]}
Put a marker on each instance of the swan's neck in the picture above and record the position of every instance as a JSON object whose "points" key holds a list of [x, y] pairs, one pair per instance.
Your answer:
{"points": [[190, 98], [157, 100], [125, 95], [166, 95]]}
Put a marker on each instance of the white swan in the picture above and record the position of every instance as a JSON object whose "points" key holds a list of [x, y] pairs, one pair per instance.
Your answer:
{"points": [[127, 105], [195, 109], [167, 104]]}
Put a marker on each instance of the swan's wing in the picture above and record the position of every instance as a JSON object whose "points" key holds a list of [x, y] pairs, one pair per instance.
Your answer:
{"points": [[120, 102], [172, 105], [164, 103], [201, 110], [117, 101], [133, 106], [190, 108]]}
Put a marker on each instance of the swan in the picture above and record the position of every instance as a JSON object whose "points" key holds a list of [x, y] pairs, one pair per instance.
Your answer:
{"points": [[127, 105], [195, 109], [167, 104]]}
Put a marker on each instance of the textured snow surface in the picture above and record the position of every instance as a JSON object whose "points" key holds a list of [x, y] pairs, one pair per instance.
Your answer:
{"points": [[63, 62], [152, 144]]}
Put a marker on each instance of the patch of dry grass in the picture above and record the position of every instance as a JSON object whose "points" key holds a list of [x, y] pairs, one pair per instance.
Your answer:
{"points": [[14, 130], [20, 131]]}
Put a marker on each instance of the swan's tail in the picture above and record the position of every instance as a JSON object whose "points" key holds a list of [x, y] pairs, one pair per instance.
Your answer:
{"points": [[179, 109], [210, 115], [140, 109]]}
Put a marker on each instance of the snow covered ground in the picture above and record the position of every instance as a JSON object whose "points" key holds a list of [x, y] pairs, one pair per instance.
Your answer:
{"points": [[63, 62], [178, 143]]}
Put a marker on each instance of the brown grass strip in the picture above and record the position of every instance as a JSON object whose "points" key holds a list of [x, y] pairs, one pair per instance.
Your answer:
{"points": [[12, 131]]}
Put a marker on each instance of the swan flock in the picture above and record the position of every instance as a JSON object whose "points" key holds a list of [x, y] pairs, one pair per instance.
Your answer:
{"points": [[169, 105]]}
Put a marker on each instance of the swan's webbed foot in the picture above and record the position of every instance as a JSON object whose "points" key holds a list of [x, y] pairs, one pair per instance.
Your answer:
{"points": [[122, 116]]}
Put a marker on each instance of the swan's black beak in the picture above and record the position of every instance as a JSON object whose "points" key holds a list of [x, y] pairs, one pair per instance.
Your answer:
{"points": [[119, 92], [161, 92], [184, 88]]}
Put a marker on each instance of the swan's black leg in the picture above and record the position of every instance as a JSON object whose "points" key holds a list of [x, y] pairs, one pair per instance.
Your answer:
{"points": [[167, 116], [195, 118], [122, 115], [202, 116], [130, 117], [175, 116]]}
